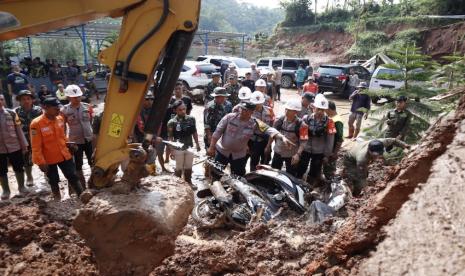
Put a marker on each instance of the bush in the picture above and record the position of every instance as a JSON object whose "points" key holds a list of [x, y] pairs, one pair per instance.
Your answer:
{"points": [[335, 15], [368, 44]]}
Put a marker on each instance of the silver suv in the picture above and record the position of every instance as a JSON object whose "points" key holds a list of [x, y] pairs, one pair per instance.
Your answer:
{"points": [[287, 65]]}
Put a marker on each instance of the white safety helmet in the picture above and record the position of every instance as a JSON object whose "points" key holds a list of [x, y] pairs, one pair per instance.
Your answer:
{"points": [[321, 102], [73, 90], [295, 105], [260, 83], [244, 93], [257, 97], [232, 65]]}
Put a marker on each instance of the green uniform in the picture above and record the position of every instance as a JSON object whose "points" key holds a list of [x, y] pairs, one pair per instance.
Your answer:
{"points": [[209, 90], [329, 169], [233, 91], [213, 114], [357, 159], [181, 129], [398, 123]]}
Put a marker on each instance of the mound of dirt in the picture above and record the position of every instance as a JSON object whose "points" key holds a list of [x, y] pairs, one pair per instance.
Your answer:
{"points": [[426, 238], [35, 242], [445, 40], [132, 233]]}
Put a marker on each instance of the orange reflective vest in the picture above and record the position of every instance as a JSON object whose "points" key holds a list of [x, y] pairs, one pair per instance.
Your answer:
{"points": [[48, 141]]}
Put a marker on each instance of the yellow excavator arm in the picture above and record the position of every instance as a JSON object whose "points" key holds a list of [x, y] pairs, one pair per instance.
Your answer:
{"points": [[155, 36]]}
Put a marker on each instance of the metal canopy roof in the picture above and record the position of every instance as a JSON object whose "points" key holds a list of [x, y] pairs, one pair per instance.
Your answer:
{"points": [[101, 29]]}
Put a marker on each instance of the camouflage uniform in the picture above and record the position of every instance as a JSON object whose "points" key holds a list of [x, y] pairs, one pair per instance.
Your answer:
{"points": [[398, 123], [233, 91], [209, 90], [213, 114], [26, 119], [357, 159]]}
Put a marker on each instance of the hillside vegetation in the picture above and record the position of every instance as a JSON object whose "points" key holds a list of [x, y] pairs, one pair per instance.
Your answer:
{"points": [[231, 16]]}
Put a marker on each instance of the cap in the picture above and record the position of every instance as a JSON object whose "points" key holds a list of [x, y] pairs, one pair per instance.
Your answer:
{"points": [[402, 98], [295, 105], [257, 97], [73, 91], [24, 93], [51, 101], [232, 65], [309, 97], [376, 147], [260, 83], [244, 93], [216, 74], [248, 105], [149, 96], [310, 78], [362, 85], [321, 102], [219, 91], [232, 77]]}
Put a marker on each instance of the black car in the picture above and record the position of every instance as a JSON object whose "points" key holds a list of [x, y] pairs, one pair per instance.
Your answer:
{"points": [[335, 78]]}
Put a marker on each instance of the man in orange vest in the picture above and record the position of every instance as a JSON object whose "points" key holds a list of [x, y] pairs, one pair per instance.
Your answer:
{"points": [[49, 147]]}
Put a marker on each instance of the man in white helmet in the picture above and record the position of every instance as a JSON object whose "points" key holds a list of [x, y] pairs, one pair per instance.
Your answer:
{"points": [[78, 117], [244, 96], [260, 85], [259, 153], [320, 143], [294, 129]]}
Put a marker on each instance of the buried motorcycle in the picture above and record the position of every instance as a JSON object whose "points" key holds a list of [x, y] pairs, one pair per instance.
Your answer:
{"points": [[234, 201]]}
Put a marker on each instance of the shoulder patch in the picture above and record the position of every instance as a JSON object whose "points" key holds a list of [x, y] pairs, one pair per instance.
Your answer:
{"points": [[262, 127], [33, 132]]}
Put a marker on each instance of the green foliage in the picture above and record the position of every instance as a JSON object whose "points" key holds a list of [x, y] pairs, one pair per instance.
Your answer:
{"points": [[298, 13], [441, 7], [229, 15], [335, 15], [409, 61], [339, 27], [60, 49], [451, 74], [367, 44]]}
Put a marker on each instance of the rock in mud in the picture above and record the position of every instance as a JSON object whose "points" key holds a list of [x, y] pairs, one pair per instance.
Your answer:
{"points": [[130, 234]]}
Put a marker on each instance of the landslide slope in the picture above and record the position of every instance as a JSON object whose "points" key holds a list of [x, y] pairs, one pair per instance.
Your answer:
{"points": [[426, 237]]}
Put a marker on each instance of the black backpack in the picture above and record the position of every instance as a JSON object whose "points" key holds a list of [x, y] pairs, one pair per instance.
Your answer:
{"points": [[280, 121]]}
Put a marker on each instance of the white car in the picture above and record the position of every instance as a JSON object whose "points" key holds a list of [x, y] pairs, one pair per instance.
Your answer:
{"points": [[386, 78], [242, 65], [196, 74]]}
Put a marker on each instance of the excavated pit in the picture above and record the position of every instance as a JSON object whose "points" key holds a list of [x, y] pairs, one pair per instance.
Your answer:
{"points": [[130, 234]]}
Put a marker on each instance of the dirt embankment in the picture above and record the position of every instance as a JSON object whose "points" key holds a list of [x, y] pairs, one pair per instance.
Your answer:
{"points": [[330, 46]]}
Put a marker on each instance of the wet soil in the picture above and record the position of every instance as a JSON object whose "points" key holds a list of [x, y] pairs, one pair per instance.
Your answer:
{"points": [[37, 239]]}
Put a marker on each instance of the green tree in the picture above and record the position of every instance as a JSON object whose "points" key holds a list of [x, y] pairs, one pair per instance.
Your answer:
{"points": [[414, 67], [298, 12]]}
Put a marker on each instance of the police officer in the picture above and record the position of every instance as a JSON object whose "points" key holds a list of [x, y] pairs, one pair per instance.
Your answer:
{"points": [[214, 112], [13, 145], [244, 96], [294, 129], [259, 153], [49, 147], [78, 116], [182, 128], [320, 143], [361, 155], [216, 82], [233, 132], [27, 112], [232, 87], [307, 101], [398, 120], [260, 85]]}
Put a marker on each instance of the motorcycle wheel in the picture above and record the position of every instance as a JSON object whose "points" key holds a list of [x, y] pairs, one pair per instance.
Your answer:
{"points": [[207, 216]]}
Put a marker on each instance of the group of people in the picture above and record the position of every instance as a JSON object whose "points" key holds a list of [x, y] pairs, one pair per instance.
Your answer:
{"points": [[240, 125]]}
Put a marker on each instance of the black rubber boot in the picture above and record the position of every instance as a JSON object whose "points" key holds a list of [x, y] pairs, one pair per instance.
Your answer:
{"points": [[5, 188], [29, 178], [20, 179]]}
